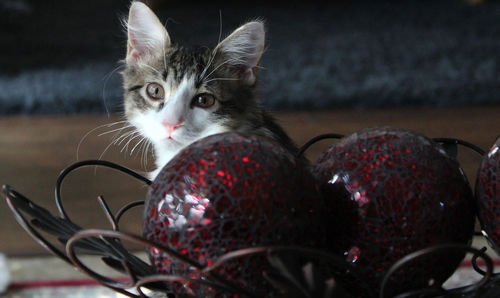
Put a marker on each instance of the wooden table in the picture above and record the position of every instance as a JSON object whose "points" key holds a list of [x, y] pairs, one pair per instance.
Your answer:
{"points": [[33, 150]]}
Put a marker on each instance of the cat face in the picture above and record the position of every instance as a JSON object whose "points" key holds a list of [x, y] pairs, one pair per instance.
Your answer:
{"points": [[175, 95]]}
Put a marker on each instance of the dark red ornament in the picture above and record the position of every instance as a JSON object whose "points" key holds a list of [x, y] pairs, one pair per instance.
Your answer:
{"points": [[488, 194], [227, 192], [397, 192]]}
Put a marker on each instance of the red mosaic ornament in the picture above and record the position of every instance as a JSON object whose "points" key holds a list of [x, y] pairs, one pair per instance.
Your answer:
{"points": [[402, 193], [488, 194], [227, 192]]}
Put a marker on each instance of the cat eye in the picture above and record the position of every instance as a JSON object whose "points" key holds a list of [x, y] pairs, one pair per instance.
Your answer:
{"points": [[155, 91], [203, 100]]}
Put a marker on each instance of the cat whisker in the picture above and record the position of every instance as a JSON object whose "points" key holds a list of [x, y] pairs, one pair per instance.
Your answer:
{"points": [[163, 48], [164, 59], [151, 67], [114, 130], [106, 79], [221, 64], [221, 79], [145, 154], [164, 56], [91, 131], [143, 147], [117, 137], [141, 150], [125, 147], [220, 26], [212, 56], [123, 137], [136, 145], [117, 141]]}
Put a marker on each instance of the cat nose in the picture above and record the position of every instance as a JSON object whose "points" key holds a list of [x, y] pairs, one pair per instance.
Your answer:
{"points": [[171, 126]]}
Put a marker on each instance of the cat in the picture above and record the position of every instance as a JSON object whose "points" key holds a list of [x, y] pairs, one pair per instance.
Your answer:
{"points": [[175, 95]]}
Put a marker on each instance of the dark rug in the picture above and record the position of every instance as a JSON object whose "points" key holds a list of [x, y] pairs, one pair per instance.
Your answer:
{"points": [[61, 57]]}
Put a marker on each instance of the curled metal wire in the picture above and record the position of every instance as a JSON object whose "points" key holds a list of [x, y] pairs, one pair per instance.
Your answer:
{"points": [[209, 274], [109, 244], [438, 290], [85, 163], [316, 139], [446, 141], [454, 141], [12, 196]]}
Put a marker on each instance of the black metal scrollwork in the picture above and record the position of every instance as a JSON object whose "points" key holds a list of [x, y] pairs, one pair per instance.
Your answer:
{"points": [[109, 245]]}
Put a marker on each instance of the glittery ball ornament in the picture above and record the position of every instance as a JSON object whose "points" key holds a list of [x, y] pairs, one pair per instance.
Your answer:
{"points": [[227, 192], [488, 194], [402, 193]]}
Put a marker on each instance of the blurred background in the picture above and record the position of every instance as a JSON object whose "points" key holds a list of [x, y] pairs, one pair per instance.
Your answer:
{"points": [[432, 66], [330, 66], [61, 57]]}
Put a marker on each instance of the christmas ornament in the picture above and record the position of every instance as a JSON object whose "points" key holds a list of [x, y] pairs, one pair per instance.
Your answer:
{"points": [[488, 194], [397, 192], [226, 192]]}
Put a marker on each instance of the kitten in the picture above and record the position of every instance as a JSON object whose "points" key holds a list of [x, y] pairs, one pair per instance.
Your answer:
{"points": [[175, 95]]}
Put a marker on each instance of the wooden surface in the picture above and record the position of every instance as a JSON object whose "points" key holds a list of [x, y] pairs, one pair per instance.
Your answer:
{"points": [[33, 150]]}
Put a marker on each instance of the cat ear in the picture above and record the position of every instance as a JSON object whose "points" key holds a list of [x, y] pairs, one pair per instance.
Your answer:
{"points": [[146, 34], [243, 48]]}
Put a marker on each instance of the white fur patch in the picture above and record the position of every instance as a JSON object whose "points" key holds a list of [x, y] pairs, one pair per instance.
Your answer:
{"points": [[164, 155], [194, 123]]}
